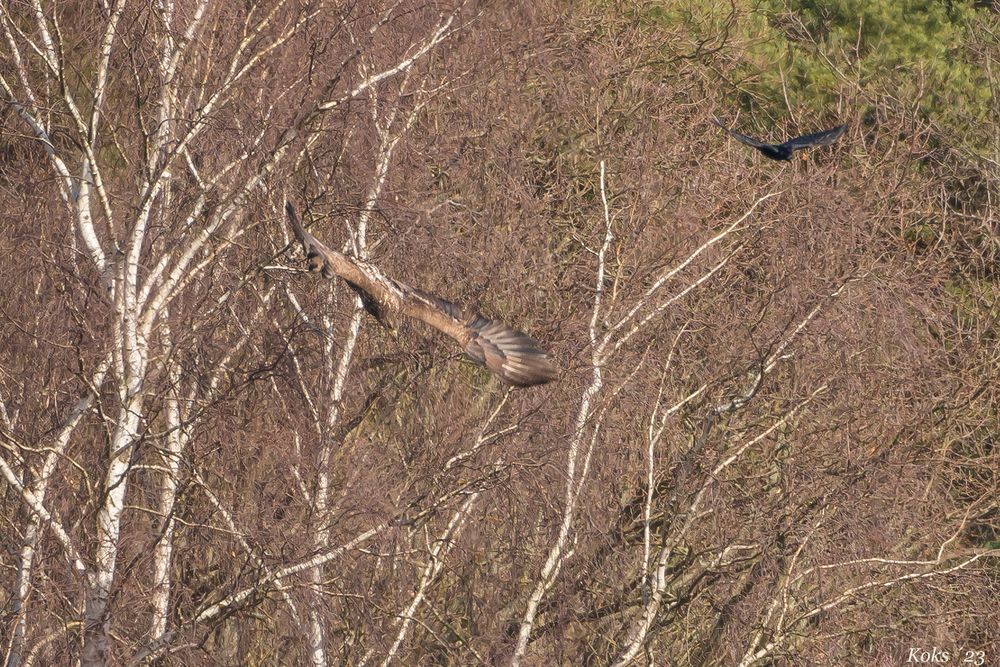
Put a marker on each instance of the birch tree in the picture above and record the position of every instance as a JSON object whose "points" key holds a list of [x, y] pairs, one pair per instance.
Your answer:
{"points": [[159, 134], [771, 440]]}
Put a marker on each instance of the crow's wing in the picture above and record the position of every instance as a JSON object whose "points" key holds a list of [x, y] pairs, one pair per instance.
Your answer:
{"points": [[742, 138], [824, 138]]}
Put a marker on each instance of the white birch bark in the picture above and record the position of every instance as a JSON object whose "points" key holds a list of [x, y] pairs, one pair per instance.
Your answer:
{"points": [[180, 422], [604, 345], [36, 522], [142, 275]]}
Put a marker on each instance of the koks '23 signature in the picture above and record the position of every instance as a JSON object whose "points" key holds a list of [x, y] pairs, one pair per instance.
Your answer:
{"points": [[935, 655]]}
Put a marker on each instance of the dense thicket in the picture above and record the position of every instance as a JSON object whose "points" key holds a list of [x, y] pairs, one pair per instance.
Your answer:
{"points": [[774, 439]]}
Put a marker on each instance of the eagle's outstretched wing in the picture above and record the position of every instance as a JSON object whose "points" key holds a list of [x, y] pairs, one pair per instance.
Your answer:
{"points": [[312, 246], [824, 138], [510, 354]]}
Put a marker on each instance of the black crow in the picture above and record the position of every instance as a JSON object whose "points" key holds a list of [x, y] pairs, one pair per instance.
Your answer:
{"points": [[784, 151]]}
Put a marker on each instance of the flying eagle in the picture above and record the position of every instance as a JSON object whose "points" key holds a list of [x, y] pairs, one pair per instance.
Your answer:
{"points": [[784, 151], [513, 356]]}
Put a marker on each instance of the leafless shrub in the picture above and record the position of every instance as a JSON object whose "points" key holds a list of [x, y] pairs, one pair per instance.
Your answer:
{"points": [[773, 440]]}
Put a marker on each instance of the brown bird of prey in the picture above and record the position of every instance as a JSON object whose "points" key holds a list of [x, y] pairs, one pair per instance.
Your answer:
{"points": [[784, 151], [513, 356]]}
